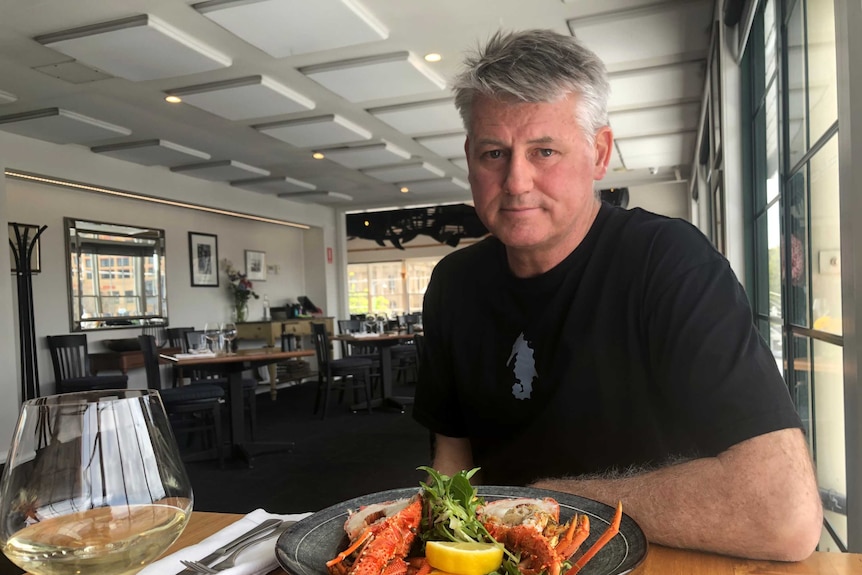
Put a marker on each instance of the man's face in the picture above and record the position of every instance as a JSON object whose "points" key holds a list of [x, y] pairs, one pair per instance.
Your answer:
{"points": [[532, 171]]}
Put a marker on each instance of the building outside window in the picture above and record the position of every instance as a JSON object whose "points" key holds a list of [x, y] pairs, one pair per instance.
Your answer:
{"points": [[388, 288]]}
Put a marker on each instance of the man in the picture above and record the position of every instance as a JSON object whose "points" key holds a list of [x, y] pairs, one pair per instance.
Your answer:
{"points": [[599, 351]]}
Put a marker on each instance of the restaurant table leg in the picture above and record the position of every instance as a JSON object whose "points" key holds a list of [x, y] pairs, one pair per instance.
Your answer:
{"points": [[241, 448]]}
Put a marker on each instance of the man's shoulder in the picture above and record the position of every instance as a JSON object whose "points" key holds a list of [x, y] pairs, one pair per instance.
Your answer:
{"points": [[472, 258], [640, 230]]}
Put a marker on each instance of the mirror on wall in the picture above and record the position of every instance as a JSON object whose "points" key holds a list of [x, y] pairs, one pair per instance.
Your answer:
{"points": [[116, 275]]}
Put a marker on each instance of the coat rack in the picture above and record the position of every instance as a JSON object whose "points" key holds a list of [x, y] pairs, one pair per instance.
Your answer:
{"points": [[22, 253]]}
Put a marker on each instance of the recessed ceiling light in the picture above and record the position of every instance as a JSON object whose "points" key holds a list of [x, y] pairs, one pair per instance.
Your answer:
{"points": [[318, 155], [405, 189], [173, 99], [367, 223], [433, 57]]}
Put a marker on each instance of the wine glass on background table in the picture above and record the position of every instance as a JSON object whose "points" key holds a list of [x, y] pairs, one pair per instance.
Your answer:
{"points": [[229, 332], [212, 330], [93, 483]]}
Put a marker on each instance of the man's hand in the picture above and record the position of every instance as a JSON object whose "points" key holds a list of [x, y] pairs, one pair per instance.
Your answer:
{"points": [[758, 499]]}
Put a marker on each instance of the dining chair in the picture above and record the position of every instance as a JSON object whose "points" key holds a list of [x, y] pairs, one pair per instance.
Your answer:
{"points": [[217, 377], [191, 408], [342, 374], [176, 338], [71, 361], [348, 326]]}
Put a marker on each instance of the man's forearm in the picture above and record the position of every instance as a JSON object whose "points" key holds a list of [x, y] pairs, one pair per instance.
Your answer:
{"points": [[720, 504]]}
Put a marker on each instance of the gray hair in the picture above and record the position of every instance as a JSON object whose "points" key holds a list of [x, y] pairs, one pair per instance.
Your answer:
{"points": [[535, 66]]}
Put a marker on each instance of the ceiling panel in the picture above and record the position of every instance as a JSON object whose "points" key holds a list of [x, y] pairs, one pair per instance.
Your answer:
{"points": [[318, 197], [316, 132], [662, 119], [6, 97], [630, 35], [657, 86], [244, 98], [366, 156], [60, 126], [447, 146], [460, 162], [223, 170], [137, 48], [405, 172], [670, 150], [152, 153], [422, 117], [289, 27], [274, 185], [440, 185], [376, 77]]}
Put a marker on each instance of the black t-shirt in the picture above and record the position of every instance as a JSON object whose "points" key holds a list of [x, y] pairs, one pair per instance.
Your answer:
{"points": [[636, 350]]}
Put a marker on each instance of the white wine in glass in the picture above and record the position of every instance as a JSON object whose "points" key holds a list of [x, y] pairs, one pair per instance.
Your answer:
{"points": [[93, 484]]}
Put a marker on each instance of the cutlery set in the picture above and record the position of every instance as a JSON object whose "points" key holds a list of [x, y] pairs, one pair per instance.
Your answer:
{"points": [[225, 556]]}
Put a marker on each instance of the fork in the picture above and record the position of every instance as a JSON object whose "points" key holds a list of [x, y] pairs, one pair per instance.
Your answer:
{"points": [[230, 560]]}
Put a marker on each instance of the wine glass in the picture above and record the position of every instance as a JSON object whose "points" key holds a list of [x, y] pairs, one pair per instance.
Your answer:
{"points": [[229, 332], [212, 330], [93, 484]]}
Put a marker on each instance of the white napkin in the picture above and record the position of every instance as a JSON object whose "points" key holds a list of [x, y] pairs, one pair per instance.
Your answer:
{"points": [[364, 334], [256, 560], [194, 355]]}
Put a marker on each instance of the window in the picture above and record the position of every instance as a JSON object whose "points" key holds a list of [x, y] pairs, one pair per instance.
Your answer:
{"points": [[794, 193], [388, 288]]}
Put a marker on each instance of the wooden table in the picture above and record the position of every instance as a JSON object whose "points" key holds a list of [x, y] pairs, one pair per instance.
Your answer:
{"points": [[384, 344], [659, 560], [121, 361], [234, 364]]}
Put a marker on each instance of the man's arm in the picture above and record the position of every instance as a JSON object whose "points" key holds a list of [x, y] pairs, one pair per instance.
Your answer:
{"points": [[758, 499], [452, 454]]}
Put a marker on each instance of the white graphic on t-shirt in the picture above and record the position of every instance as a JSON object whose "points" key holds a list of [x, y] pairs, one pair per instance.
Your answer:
{"points": [[524, 368]]}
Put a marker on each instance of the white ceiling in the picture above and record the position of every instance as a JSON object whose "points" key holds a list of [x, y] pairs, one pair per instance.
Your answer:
{"points": [[268, 82]]}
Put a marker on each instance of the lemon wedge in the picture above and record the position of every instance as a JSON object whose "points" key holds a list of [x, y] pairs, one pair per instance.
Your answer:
{"points": [[463, 558]]}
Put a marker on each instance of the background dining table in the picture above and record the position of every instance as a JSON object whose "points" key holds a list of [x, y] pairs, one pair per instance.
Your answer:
{"points": [[234, 364], [383, 343], [659, 560]]}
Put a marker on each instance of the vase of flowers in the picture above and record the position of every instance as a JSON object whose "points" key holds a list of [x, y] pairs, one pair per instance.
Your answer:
{"points": [[241, 290]]}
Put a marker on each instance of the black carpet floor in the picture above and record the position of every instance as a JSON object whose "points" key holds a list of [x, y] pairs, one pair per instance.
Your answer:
{"points": [[330, 460]]}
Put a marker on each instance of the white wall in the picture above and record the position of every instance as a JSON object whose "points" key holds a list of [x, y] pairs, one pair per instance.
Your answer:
{"points": [[667, 199], [298, 253]]}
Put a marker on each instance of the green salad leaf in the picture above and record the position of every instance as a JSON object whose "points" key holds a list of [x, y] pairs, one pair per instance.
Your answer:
{"points": [[450, 513], [450, 508]]}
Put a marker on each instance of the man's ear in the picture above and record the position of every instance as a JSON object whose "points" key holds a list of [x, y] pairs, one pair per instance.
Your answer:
{"points": [[467, 150], [604, 147]]}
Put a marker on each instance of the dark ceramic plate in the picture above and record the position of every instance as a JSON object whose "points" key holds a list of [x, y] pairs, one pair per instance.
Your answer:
{"points": [[307, 545]]}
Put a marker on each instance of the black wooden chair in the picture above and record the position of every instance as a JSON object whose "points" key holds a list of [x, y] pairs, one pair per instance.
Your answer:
{"points": [[341, 374], [176, 338], [348, 349], [71, 360], [191, 408]]}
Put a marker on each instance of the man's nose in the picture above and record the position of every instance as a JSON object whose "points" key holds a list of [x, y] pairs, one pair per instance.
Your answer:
{"points": [[519, 178]]}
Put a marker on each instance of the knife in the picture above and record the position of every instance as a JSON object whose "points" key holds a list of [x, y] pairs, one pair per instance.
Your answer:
{"points": [[267, 525]]}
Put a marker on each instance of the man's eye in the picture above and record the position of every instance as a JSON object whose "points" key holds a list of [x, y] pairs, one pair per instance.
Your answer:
{"points": [[546, 152], [493, 154]]}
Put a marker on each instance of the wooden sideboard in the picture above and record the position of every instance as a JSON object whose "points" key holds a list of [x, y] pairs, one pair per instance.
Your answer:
{"points": [[271, 332]]}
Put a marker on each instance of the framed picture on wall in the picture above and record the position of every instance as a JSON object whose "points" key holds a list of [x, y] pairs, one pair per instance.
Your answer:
{"points": [[203, 259], [35, 257], [255, 265]]}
